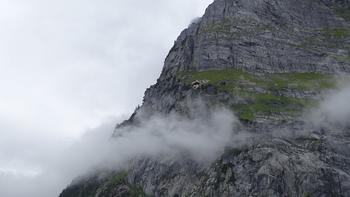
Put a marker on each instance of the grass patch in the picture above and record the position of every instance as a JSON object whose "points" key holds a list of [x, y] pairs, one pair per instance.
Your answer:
{"points": [[263, 93], [343, 12], [343, 58], [302, 81], [119, 178], [307, 195], [337, 33], [246, 113], [233, 80], [268, 104]]}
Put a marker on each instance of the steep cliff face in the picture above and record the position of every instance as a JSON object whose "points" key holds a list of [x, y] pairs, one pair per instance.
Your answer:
{"points": [[259, 37], [264, 36], [267, 61]]}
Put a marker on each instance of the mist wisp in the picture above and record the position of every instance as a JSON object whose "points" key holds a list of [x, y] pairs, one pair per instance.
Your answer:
{"points": [[201, 137], [334, 109]]}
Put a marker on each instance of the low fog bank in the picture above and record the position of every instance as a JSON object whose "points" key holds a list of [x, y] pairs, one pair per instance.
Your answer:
{"points": [[202, 137], [166, 137]]}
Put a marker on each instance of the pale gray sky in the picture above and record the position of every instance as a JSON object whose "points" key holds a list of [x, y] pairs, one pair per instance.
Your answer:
{"points": [[70, 65]]}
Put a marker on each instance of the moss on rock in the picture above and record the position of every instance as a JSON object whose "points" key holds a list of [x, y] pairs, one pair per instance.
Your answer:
{"points": [[264, 93]]}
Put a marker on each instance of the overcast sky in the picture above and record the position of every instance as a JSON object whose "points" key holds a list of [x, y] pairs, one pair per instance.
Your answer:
{"points": [[67, 66]]}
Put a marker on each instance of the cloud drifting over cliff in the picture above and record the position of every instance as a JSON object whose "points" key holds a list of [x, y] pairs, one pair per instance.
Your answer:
{"points": [[202, 137], [334, 110]]}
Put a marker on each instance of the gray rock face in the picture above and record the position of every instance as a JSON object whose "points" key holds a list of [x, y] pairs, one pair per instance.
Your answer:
{"points": [[257, 36], [263, 36], [274, 168]]}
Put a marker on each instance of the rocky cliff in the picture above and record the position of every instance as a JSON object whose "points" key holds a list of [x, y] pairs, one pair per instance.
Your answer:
{"points": [[267, 61]]}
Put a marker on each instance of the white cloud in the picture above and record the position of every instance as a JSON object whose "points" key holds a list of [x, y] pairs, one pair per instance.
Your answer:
{"points": [[334, 110], [202, 138]]}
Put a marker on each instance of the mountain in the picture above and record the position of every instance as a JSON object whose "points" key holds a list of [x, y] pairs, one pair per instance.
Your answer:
{"points": [[267, 61]]}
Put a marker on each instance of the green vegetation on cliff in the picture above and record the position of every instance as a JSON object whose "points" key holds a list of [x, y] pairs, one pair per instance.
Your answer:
{"points": [[264, 94], [337, 33], [343, 12]]}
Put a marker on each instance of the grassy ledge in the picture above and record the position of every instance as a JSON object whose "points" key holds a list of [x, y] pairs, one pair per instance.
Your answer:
{"points": [[343, 12], [264, 94]]}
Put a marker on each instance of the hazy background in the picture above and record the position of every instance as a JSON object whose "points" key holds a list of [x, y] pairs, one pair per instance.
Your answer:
{"points": [[67, 66]]}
